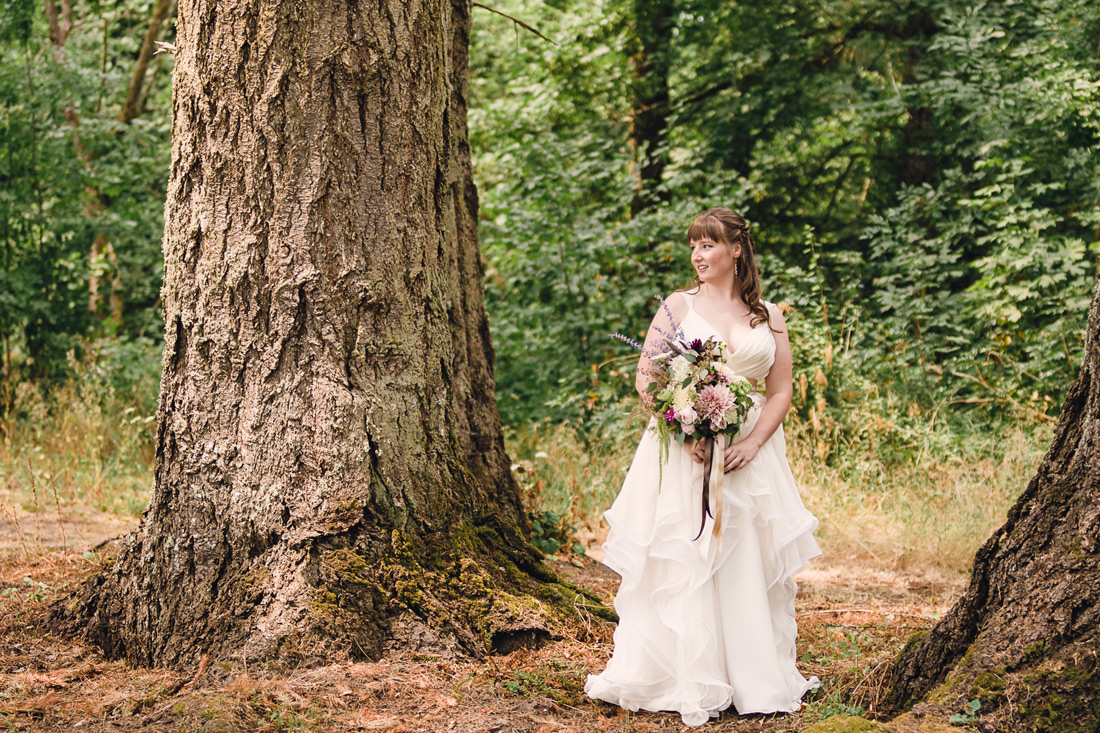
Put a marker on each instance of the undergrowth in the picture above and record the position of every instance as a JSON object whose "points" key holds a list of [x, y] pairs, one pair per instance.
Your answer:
{"points": [[85, 444], [908, 490], [901, 475]]}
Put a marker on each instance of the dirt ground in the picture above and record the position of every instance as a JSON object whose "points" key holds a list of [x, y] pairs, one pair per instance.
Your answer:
{"points": [[853, 618]]}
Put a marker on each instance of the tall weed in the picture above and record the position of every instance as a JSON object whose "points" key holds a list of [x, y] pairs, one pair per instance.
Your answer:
{"points": [[905, 495], [88, 442]]}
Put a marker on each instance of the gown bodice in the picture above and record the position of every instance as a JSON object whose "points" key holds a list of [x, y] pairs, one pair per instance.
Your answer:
{"points": [[750, 351]]}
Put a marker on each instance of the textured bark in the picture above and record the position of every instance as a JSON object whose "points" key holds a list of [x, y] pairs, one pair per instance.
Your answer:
{"points": [[60, 23], [650, 64], [1025, 637], [329, 455]]}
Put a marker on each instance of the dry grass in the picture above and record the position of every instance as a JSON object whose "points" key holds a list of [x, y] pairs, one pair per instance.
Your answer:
{"points": [[926, 511], [931, 511], [75, 466], [854, 616], [86, 445]]}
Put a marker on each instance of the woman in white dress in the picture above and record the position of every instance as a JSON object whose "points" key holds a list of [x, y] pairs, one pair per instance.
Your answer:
{"points": [[708, 623]]}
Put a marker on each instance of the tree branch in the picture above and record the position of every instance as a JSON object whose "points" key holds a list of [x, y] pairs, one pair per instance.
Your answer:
{"points": [[66, 19], [55, 26], [132, 107], [60, 23], [517, 21]]}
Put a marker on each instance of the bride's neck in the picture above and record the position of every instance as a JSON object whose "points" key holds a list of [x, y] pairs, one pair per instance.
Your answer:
{"points": [[727, 292]]}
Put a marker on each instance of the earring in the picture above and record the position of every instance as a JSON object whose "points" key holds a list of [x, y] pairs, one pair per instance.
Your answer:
{"points": [[735, 268]]}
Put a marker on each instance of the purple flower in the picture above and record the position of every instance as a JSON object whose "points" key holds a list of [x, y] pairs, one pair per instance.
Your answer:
{"points": [[668, 312], [670, 416], [628, 340]]}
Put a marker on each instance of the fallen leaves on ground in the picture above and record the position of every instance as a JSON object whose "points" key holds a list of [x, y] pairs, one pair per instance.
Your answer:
{"points": [[851, 624]]}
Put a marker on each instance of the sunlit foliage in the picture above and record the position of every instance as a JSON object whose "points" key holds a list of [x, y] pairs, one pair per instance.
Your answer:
{"points": [[922, 177]]}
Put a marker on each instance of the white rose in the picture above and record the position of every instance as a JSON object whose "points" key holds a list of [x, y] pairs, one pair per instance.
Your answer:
{"points": [[681, 369]]}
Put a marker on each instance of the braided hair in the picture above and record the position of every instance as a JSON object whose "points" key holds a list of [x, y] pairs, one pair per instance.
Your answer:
{"points": [[727, 226]]}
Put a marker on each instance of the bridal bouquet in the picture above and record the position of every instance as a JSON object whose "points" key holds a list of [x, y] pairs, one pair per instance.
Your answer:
{"points": [[695, 393], [694, 390]]}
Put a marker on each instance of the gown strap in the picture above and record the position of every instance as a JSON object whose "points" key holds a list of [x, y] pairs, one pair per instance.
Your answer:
{"points": [[689, 298]]}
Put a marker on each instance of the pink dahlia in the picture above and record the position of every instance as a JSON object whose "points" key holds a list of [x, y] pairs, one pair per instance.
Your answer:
{"points": [[713, 402]]}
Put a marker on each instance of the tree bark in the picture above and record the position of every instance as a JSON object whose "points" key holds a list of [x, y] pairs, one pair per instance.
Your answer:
{"points": [[330, 472], [60, 24], [1025, 638]]}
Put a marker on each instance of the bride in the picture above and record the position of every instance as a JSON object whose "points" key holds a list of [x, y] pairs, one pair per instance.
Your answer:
{"points": [[707, 623]]}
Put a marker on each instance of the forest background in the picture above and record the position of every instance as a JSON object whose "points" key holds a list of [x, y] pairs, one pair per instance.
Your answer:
{"points": [[921, 177]]}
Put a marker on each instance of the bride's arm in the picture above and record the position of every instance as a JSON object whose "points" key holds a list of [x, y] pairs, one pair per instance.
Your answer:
{"points": [[778, 388], [677, 305]]}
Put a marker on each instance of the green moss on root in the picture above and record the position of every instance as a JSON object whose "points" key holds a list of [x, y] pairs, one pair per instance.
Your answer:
{"points": [[988, 687], [916, 637], [948, 691], [1034, 652], [1063, 700], [845, 724], [480, 582], [349, 598]]}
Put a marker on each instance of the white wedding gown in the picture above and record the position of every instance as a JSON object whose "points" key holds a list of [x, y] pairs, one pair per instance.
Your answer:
{"points": [[707, 623]]}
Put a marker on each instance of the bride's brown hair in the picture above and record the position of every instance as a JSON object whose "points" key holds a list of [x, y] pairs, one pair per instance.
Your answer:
{"points": [[728, 227]]}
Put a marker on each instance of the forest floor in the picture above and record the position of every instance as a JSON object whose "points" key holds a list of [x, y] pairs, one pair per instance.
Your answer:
{"points": [[853, 618]]}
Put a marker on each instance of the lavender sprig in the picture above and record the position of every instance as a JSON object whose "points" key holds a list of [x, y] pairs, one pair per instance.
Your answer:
{"points": [[678, 334], [651, 353], [628, 340], [679, 331], [673, 340]]}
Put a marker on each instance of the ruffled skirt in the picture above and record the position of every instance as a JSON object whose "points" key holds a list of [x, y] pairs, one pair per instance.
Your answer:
{"points": [[707, 623]]}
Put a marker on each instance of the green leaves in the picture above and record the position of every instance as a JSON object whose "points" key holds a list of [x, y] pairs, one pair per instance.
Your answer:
{"points": [[16, 20], [925, 177], [75, 176], [968, 715]]}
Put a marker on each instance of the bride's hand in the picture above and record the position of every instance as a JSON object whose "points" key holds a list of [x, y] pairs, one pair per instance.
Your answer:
{"points": [[738, 455], [695, 449]]}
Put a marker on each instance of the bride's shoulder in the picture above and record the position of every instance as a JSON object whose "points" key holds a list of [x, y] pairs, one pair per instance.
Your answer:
{"points": [[677, 304], [684, 299], [775, 314]]}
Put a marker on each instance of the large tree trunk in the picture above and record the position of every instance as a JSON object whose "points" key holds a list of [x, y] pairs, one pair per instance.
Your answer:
{"points": [[330, 467], [1025, 638]]}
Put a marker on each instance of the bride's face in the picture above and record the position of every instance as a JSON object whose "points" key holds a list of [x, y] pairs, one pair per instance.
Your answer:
{"points": [[713, 261]]}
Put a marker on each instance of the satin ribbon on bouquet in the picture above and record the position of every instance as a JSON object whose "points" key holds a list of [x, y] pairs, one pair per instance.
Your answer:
{"points": [[713, 471]]}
